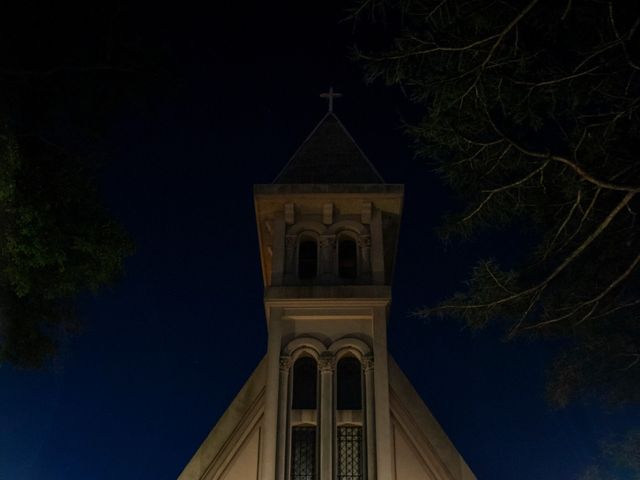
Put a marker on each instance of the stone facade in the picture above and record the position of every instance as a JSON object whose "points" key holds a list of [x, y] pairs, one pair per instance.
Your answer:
{"points": [[327, 253]]}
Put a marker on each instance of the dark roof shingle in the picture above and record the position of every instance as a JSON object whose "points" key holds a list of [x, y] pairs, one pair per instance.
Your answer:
{"points": [[329, 155]]}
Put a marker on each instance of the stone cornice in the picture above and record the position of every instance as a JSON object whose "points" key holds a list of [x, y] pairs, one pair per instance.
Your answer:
{"points": [[350, 189]]}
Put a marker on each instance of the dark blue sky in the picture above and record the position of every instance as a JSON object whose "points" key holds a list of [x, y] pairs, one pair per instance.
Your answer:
{"points": [[164, 351]]}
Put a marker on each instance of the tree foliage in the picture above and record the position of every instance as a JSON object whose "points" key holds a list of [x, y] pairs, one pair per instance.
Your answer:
{"points": [[620, 459], [65, 71], [57, 241], [532, 115]]}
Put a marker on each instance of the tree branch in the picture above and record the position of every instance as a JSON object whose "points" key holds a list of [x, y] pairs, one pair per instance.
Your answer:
{"points": [[495, 279], [563, 225], [584, 216], [556, 80], [573, 165], [434, 49], [594, 301], [506, 30], [492, 192], [618, 307], [531, 290]]}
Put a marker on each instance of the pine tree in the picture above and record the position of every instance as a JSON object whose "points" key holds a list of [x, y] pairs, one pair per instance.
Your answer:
{"points": [[531, 113]]}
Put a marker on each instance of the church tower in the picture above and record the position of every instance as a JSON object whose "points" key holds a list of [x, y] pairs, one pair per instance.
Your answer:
{"points": [[327, 402]]}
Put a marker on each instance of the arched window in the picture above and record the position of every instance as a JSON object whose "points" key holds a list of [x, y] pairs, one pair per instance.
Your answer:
{"points": [[349, 384], [305, 379], [349, 441], [347, 258], [307, 258]]}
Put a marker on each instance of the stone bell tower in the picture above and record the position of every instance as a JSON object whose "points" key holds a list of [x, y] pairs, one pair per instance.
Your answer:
{"points": [[327, 401]]}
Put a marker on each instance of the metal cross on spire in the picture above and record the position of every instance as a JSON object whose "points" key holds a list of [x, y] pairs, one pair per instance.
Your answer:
{"points": [[330, 96]]}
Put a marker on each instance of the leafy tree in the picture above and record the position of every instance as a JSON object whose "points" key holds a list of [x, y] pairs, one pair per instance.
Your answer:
{"points": [[57, 240], [620, 458], [65, 72], [531, 113]]}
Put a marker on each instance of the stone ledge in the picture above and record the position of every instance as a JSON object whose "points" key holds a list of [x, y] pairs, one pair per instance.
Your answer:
{"points": [[334, 293], [314, 188]]}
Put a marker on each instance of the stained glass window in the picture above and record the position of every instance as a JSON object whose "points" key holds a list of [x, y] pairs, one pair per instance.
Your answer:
{"points": [[350, 453], [303, 453]]}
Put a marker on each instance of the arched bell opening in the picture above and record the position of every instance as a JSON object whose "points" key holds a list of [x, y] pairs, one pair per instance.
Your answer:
{"points": [[347, 257], [307, 258]]}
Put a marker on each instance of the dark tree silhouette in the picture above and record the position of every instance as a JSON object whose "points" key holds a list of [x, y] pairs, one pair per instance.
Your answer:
{"points": [[65, 72], [531, 112]]}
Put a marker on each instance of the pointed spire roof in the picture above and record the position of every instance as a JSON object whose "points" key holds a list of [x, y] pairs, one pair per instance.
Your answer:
{"points": [[329, 155]]}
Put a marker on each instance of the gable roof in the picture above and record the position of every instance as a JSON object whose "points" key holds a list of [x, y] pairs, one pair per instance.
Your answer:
{"points": [[329, 155], [430, 445], [232, 433]]}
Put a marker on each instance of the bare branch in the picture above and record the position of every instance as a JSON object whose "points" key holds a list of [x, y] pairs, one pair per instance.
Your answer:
{"points": [[573, 165], [566, 11], [433, 49], [593, 302], [568, 260], [557, 80], [595, 54], [603, 225], [564, 224], [486, 266], [588, 314], [584, 216], [524, 316], [618, 307], [629, 35], [492, 192], [506, 30], [634, 362]]}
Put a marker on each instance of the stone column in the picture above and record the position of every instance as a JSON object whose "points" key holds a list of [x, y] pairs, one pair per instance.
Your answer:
{"points": [[364, 242], [370, 420], [283, 423], [327, 366], [327, 255]]}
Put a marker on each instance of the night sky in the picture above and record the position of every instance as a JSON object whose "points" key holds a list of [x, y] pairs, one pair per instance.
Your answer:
{"points": [[163, 352]]}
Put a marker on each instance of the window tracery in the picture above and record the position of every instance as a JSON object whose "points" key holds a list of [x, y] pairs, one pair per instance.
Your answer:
{"points": [[350, 448], [303, 453], [319, 373]]}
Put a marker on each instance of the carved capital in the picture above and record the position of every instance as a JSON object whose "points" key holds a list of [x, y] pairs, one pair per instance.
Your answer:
{"points": [[285, 363], [327, 241], [367, 363], [364, 241], [290, 241], [327, 362]]}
